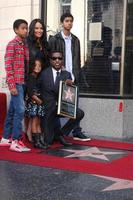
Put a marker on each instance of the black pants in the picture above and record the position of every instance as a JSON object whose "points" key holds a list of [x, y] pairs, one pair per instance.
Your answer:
{"points": [[49, 124]]}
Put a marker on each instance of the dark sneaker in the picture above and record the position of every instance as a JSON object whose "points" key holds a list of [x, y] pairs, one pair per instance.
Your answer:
{"points": [[81, 137]]}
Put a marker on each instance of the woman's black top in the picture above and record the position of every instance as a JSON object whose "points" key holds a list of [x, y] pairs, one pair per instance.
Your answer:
{"points": [[36, 52]]}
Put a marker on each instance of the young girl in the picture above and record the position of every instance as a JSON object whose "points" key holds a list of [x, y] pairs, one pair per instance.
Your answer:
{"points": [[34, 107]]}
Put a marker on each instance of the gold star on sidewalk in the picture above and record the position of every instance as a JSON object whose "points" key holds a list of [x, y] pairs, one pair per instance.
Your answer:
{"points": [[119, 184], [93, 152]]}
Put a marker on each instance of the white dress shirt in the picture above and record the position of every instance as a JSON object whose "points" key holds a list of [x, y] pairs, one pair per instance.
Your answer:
{"points": [[55, 73], [68, 53]]}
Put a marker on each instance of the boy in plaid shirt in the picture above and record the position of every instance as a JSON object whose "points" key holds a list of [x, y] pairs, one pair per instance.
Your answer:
{"points": [[16, 64]]}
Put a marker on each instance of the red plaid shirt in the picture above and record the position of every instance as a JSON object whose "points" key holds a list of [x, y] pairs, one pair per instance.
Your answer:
{"points": [[16, 54]]}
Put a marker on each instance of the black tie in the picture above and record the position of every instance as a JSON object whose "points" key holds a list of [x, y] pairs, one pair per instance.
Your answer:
{"points": [[57, 80]]}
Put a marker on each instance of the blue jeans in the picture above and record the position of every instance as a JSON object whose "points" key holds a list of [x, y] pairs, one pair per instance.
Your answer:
{"points": [[15, 115]]}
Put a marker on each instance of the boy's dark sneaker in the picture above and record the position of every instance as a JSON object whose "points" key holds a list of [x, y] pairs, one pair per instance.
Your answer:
{"points": [[80, 136]]}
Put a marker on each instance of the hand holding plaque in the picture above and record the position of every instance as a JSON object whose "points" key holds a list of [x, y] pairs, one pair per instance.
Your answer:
{"points": [[69, 82]]}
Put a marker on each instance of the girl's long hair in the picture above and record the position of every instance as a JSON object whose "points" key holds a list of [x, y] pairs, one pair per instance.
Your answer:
{"points": [[32, 65]]}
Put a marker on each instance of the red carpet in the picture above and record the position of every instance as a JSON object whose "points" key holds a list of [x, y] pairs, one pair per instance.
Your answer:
{"points": [[120, 168], [106, 144], [2, 110]]}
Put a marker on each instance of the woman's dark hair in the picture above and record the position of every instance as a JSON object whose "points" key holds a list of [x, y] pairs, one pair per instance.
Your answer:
{"points": [[32, 64], [32, 28], [66, 15], [34, 45], [18, 22]]}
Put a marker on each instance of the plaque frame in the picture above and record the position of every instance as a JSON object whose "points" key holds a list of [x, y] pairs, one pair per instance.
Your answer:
{"points": [[67, 100]]}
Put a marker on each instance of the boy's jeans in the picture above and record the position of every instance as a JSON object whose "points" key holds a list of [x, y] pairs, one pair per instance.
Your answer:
{"points": [[15, 115]]}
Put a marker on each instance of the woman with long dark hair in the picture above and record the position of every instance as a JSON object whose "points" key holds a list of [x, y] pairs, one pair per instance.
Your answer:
{"points": [[37, 42], [38, 49]]}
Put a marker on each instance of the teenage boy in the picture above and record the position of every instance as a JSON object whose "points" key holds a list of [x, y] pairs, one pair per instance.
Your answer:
{"points": [[49, 87], [69, 44], [16, 63]]}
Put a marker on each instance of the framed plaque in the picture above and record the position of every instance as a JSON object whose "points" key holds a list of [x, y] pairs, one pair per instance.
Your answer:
{"points": [[67, 100]]}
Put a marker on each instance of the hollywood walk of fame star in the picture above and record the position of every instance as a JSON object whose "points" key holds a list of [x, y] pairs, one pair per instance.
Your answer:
{"points": [[119, 184], [68, 95], [91, 152]]}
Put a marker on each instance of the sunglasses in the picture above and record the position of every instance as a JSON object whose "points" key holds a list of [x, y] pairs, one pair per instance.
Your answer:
{"points": [[55, 58]]}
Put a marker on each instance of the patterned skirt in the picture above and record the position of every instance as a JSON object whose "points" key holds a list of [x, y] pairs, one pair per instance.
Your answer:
{"points": [[33, 109]]}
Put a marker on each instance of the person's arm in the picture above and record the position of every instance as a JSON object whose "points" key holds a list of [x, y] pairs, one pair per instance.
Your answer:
{"points": [[32, 89], [78, 62], [79, 55], [69, 80], [9, 59], [37, 100], [31, 85]]}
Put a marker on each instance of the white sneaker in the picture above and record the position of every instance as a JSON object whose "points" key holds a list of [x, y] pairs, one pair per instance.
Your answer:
{"points": [[5, 142], [18, 146], [25, 149]]}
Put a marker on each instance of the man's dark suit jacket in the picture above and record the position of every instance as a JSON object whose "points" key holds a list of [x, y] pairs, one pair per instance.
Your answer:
{"points": [[49, 94], [47, 87]]}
